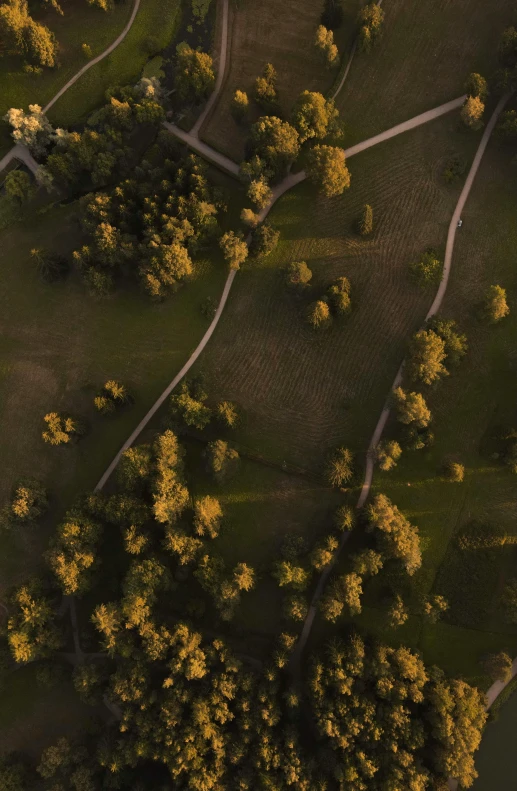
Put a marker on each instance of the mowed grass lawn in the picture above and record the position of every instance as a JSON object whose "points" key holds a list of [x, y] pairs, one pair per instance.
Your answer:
{"points": [[423, 59], [304, 392], [278, 33], [58, 345]]}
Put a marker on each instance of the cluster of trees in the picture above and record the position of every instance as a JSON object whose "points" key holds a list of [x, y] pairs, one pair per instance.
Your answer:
{"points": [[389, 722], [299, 563], [194, 76], [432, 347], [336, 301], [188, 407], [112, 396], [151, 224], [62, 428]]}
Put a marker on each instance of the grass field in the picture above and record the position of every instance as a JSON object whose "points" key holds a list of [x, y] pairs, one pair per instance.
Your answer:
{"points": [[277, 33], [494, 759], [32, 717], [423, 59], [304, 392]]}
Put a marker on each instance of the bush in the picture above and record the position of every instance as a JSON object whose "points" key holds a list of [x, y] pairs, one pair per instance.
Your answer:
{"points": [[227, 413], [318, 314], [365, 222], [240, 105], [28, 502], [339, 295], [298, 274], [472, 112], [222, 460], [454, 472], [339, 469], [264, 239], [496, 306], [62, 428], [265, 89], [112, 396]]}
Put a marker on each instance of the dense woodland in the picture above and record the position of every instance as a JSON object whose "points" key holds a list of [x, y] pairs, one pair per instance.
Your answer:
{"points": [[180, 707]]}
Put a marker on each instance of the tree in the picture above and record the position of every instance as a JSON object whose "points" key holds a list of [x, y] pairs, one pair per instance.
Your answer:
{"points": [[50, 266], [313, 116], [235, 249], [387, 453], [507, 126], [31, 631], [454, 472], [324, 42], [339, 295], [291, 576], [323, 552], [265, 89], [472, 112], [367, 563], [398, 538], [427, 271], [339, 469], [28, 502], [61, 428], [192, 411], [240, 105], [249, 217], [476, 86], [221, 458], [298, 275], [244, 576], [496, 306], [260, 193], [13, 775], [31, 129], [18, 186], [365, 222], [426, 356], [411, 408], [397, 613], [345, 590], [194, 73], [509, 600], [456, 345], [264, 239], [318, 314], [344, 519], [276, 143], [72, 555], [207, 516], [164, 268], [112, 396], [370, 22], [434, 607], [295, 607], [227, 413], [327, 169], [498, 666], [134, 468]]}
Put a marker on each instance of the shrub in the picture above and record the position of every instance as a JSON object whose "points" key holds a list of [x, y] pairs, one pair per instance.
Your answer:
{"points": [[454, 472], [28, 502], [298, 274], [61, 428], [472, 112], [221, 459], [344, 518], [398, 613], [476, 86], [339, 295], [496, 306], [339, 469], [227, 413], [387, 453], [264, 239], [240, 105], [112, 396], [265, 89], [365, 222], [318, 314]]}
